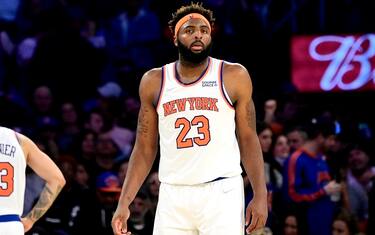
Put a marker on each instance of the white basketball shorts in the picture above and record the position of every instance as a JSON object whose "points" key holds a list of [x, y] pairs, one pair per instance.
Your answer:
{"points": [[214, 208]]}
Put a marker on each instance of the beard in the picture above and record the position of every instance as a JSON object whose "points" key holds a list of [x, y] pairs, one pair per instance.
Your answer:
{"points": [[194, 58]]}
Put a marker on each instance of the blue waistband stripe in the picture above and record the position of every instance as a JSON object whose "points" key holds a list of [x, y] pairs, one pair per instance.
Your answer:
{"points": [[9, 218]]}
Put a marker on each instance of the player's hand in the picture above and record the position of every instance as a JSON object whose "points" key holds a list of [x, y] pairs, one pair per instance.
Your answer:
{"points": [[27, 223], [256, 214], [119, 221]]}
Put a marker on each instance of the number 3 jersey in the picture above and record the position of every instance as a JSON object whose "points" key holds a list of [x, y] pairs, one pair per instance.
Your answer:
{"points": [[12, 173], [197, 128]]}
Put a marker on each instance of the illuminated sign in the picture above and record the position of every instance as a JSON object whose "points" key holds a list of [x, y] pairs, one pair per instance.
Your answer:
{"points": [[333, 63]]}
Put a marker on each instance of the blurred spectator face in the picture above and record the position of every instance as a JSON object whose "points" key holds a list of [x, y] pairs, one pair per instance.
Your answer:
{"points": [[358, 160], [69, 114], [122, 172], [43, 99], [339, 227], [330, 143], [296, 139], [290, 225], [132, 105], [88, 144], [67, 165], [106, 151], [138, 209], [96, 122], [154, 184], [82, 176], [105, 145], [282, 148], [265, 139], [108, 199]]}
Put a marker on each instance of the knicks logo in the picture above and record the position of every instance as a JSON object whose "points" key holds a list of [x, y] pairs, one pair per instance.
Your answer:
{"points": [[193, 103]]}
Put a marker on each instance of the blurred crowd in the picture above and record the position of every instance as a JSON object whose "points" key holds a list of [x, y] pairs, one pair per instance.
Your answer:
{"points": [[69, 75]]}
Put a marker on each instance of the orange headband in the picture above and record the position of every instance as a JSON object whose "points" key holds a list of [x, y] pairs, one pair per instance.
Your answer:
{"points": [[184, 19]]}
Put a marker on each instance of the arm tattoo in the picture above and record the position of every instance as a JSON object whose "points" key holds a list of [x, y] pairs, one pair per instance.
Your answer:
{"points": [[250, 115], [46, 198], [143, 123]]}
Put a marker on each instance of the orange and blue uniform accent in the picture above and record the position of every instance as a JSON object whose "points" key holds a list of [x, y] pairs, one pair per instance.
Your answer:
{"points": [[305, 176]]}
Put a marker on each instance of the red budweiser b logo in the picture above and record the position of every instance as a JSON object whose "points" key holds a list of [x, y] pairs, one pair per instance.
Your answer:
{"points": [[333, 63]]}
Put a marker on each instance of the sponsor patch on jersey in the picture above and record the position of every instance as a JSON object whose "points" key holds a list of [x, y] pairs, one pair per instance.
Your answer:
{"points": [[209, 84]]}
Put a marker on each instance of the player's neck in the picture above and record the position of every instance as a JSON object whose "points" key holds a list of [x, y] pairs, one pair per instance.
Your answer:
{"points": [[189, 71]]}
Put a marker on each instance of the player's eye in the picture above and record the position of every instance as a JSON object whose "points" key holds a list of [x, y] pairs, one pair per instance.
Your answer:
{"points": [[189, 31]]}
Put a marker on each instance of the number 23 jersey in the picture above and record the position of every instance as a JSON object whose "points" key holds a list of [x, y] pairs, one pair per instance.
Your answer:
{"points": [[12, 173], [196, 127]]}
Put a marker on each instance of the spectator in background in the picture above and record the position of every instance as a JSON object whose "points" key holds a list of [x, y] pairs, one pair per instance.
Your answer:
{"points": [[296, 138], [359, 182], [344, 223], [106, 152], [152, 189], [107, 193], [281, 150], [106, 98], [134, 34], [43, 103], [264, 133], [290, 226], [129, 116], [82, 176], [270, 118], [371, 218], [308, 183], [122, 171], [95, 121], [70, 127], [141, 221], [8, 11], [265, 137], [86, 152], [64, 215]]}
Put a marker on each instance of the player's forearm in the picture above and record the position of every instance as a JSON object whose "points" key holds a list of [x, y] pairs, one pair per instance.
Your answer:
{"points": [[139, 167], [46, 198], [252, 161]]}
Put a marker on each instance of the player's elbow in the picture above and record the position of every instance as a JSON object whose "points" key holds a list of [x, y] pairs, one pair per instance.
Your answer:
{"points": [[58, 180], [61, 181]]}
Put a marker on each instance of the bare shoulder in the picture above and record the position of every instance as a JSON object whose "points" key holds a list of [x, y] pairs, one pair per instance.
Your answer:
{"points": [[25, 143], [235, 69], [150, 84], [152, 78], [236, 80]]}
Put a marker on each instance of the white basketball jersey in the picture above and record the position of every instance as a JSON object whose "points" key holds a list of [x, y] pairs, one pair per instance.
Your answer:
{"points": [[12, 173], [197, 128]]}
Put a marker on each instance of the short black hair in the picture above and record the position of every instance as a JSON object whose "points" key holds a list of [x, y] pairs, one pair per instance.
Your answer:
{"points": [[192, 8], [320, 126], [261, 126]]}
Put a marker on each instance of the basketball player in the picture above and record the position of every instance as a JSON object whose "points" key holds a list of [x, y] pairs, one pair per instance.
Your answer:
{"points": [[17, 151], [197, 105]]}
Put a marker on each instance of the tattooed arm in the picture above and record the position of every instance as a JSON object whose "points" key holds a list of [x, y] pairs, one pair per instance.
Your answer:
{"points": [[238, 84], [144, 151], [48, 171]]}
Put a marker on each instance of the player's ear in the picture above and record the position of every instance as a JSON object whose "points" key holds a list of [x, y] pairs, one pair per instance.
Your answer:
{"points": [[175, 41]]}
